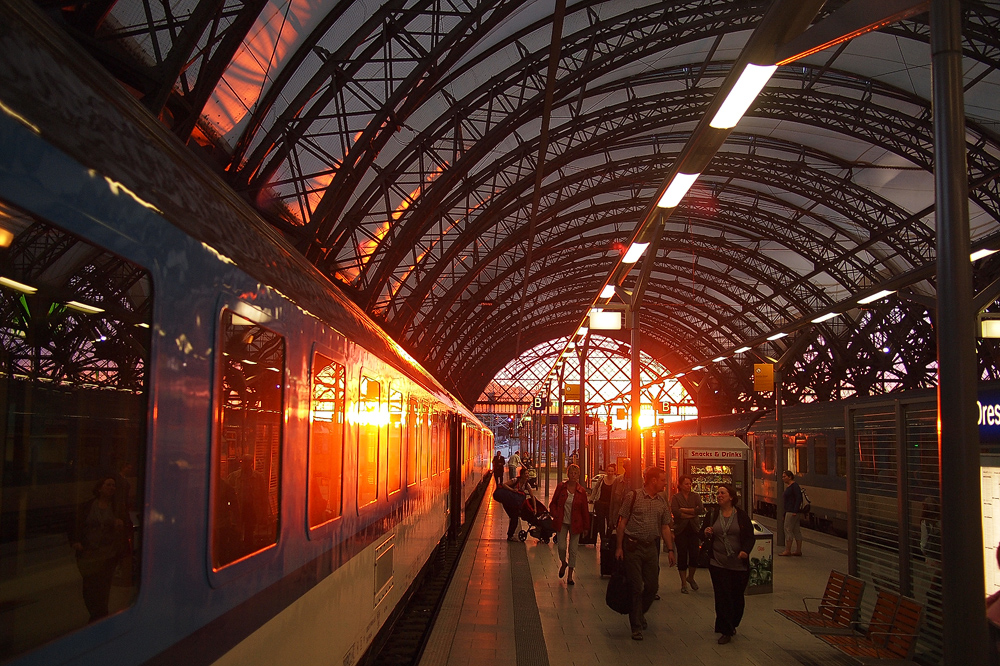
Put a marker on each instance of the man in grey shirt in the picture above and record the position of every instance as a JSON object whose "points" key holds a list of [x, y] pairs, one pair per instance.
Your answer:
{"points": [[643, 518]]}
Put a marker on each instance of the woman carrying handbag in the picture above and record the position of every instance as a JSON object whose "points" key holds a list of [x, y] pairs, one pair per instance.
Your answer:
{"points": [[730, 534]]}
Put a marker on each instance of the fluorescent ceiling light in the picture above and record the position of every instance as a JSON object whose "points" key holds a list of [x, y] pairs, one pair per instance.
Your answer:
{"points": [[608, 291], [143, 324], [822, 318], [716, 360], [777, 336], [741, 350], [83, 307], [874, 297], [751, 82], [990, 328], [634, 252], [678, 187], [17, 286], [605, 321], [979, 254], [680, 374], [697, 367]]}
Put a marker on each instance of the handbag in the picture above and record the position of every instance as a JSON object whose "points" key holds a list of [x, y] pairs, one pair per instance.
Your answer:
{"points": [[619, 594]]}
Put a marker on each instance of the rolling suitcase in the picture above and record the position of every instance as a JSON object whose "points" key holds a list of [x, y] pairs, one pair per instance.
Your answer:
{"points": [[607, 555], [590, 536]]}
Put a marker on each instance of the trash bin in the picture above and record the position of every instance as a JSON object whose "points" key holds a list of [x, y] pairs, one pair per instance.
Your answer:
{"points": [[761, 561]]}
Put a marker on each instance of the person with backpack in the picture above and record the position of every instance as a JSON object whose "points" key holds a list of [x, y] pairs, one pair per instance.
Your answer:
{"points": [[793, 505]]}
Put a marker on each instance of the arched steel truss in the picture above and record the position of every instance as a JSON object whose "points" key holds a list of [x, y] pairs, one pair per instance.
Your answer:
{"points": [[398, 149]]}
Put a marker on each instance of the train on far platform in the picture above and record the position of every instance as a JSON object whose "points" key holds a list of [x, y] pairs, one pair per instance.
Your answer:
{"points": [[821, 437], [210, 454]]}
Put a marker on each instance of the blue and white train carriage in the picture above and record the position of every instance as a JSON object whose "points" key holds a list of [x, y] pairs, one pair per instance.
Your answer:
{"points": [[210, 455]]}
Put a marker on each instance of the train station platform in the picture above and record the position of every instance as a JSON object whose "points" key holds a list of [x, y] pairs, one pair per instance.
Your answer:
{"points": [[507, 606]]}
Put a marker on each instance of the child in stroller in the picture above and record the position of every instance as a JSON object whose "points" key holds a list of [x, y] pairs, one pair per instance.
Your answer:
{"points": [[540, 520]]}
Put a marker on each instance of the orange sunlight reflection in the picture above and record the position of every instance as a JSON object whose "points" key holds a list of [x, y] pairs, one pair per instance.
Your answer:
{"points": [[272, 38]]}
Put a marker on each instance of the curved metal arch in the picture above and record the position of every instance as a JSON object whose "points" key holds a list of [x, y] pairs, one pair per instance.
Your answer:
{"points": [[711, 249], [516, 95], [386, 265], [431, 53], [734, 225]]}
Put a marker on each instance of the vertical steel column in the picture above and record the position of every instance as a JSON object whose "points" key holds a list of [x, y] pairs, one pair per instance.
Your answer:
{"points": [[548, 441], [779, 464], [962, 567], [852, 520], [561, 454], [607, 442], [582, 438], [903, 503], [634, 449]]}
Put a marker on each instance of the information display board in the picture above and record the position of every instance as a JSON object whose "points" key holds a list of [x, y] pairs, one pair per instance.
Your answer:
{"points": [[990, 475]]}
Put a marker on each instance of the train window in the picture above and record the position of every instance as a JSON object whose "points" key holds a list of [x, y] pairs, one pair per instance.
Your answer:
{"points": [[411, 442], [801, 453], [820, 453], [326, 440], [75, 345], [841, 452], [425, 443], [369, 421], [769, 459], [394, 474], [247, 461]]}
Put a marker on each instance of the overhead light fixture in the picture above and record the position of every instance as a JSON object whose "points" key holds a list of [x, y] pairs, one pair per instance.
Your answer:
{"points": [[697, 367], [874, 297], [741, 350], [716, 360], [989, 327], [680, 374], [17, 286], [827, 316], [605, 321], [777, 336], [583, 331], [979, 254], [751, 82], [142, 324], [83, 307], [608, 291], [634, 252], [678, 187], [6, 237]]}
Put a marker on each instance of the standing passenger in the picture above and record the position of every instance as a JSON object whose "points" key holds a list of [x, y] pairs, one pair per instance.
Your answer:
{"points": [[571, 514], [644, 517], [512, 464], [792, 500], [730, 531], [686, 506], [602, 503], [498, 465]]}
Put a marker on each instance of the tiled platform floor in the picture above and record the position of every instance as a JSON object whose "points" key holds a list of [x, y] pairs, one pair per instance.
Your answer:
{"points": [[476, 623]]}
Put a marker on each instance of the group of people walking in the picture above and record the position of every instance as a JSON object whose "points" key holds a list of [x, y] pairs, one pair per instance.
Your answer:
{"points": [[640, 522]]}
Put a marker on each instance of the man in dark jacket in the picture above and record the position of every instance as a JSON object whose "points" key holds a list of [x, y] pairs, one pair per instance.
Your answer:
{"points": [[793, 504], [498, 464]]}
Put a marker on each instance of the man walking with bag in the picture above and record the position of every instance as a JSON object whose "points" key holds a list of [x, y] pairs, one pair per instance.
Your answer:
{"points": [[643, 518]]}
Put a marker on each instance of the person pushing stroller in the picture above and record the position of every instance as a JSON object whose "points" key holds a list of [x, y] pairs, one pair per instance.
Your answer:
{"points": [[512, 495]]}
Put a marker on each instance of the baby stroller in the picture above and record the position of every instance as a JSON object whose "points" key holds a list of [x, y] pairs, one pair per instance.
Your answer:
{"points": [[535, 514]]}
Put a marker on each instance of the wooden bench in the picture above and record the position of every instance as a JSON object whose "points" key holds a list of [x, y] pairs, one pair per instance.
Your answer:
{"points": [[838, 607], [891, 635]]}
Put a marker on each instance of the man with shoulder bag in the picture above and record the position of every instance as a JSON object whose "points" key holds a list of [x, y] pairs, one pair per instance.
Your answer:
{"points": [[643, 518], [792, 499]]}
